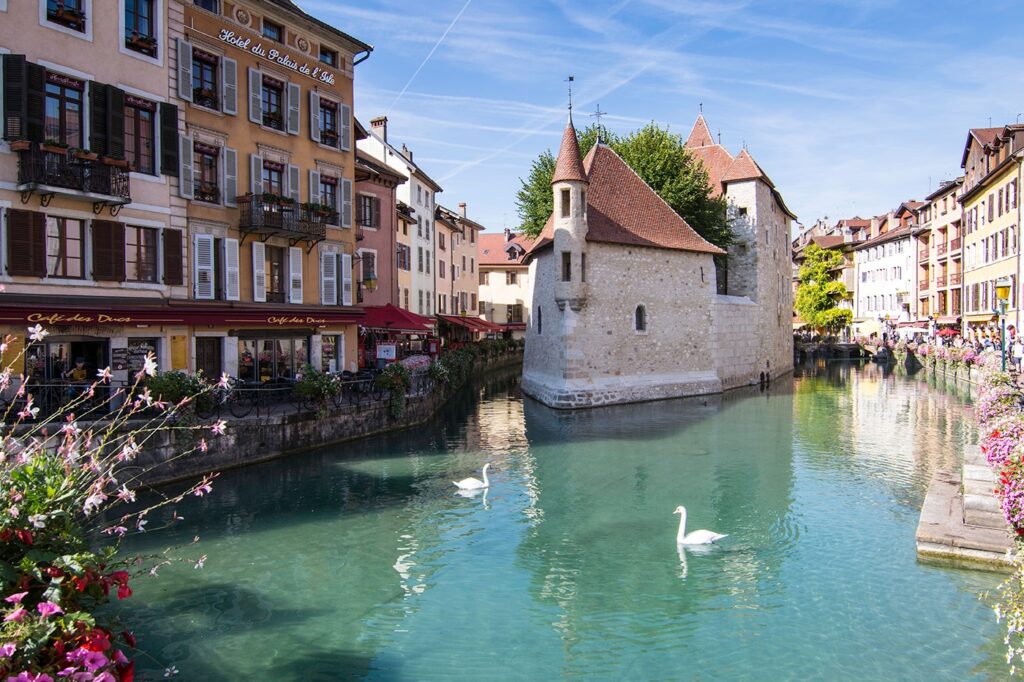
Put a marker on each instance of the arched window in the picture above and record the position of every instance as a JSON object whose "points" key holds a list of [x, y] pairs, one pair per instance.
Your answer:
{"points": [[640, 319], [540, 320]]}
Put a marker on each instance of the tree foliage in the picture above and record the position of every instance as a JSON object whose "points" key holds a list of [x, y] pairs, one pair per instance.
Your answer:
{"points": [[660, 158], [819, 293]]}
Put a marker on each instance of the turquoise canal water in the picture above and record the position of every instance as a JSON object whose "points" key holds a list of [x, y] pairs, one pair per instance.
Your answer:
{"points": [[360, 561]]}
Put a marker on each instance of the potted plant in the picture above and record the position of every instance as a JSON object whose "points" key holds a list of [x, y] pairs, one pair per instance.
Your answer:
{"points": [[54, 146], [116, 163], [272, 119], [329, 137], [141, 41], [270, 198], [84, 154]]}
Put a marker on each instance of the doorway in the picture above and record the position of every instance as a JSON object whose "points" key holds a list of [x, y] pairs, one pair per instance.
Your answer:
{"points": [[209, 356]]}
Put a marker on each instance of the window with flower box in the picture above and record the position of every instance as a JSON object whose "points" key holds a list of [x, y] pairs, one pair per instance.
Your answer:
{"points": [[329, 191], [205, 90], [140, 134], [273, 178], [273, 94], [207, 173], [63, 122], [67, 13], [328, 122], [140, 26]]}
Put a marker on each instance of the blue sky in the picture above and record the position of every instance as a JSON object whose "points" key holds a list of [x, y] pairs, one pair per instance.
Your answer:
{"points": [[851, 106]]}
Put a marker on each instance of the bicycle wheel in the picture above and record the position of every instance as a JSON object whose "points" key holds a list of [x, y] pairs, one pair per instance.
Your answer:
{"points": [[241, 403], [207, 405]]}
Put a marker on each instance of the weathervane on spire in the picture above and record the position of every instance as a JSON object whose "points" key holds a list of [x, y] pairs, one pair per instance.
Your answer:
{"points": [[569, 80], [597, 115]]}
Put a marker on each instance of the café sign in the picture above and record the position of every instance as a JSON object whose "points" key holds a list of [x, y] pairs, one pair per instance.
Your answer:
{"points": [[273, 55], [79, 318]]}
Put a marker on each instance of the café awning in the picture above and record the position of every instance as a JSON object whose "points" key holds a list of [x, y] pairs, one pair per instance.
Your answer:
{"points": [[391, 318], [473, 324]]}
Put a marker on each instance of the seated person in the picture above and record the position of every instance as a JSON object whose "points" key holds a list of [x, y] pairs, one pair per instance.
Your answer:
{"points": [[78, 373]]}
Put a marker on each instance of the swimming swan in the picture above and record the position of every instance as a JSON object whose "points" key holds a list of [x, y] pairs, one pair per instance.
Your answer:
{"points": [[697, 537], [474, 483]]}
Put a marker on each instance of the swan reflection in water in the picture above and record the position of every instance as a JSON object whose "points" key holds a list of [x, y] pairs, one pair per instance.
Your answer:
{"points": [[472, 494], [697, 550]]}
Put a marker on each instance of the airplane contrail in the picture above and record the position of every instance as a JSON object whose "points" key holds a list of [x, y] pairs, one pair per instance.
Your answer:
{"points": [[430, 54]]}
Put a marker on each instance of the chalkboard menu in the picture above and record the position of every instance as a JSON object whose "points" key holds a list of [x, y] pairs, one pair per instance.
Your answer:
{"points": [[137, 351], [118, 358]]}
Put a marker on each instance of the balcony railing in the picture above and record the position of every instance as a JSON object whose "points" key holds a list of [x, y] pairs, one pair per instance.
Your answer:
{"points": [[50, 171], [955, 278], [924, 285], [941, 248], [923, 253], [940, 281], [270, 216]]}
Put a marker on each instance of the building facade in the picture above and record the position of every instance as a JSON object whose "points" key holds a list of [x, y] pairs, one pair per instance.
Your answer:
{"points": [[377, 228], [266, 174], [418, 193], [457, 280], [91, 246], [504, 281], [939, 247], [991, 219]]}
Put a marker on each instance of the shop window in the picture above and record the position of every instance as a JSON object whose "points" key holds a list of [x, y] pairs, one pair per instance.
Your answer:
{"points": [[332, 353], [141, 253], [64, 110], [273, 31], [273, 97], [266, 360], [140, 134], [205, 90], [206, 179], [140, 26], [67, 13], [64, 247]]}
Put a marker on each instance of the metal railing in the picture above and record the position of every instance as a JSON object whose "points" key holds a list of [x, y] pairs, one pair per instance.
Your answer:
{"points": [[955, 278], [85, 399], [37, 166], [923, 253], [941, 248], [264, 216], [940, 281]]}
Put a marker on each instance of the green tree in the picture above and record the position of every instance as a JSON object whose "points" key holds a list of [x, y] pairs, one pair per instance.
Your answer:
{"points": [[818, 293], [660, 158]]}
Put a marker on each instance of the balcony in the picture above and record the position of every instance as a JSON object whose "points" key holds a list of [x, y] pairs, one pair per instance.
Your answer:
{"points": [[955, 278], [923, 253], [941, 249], [940, 281], [268, 215], [48, 170], [923, 286], [954, 244]]}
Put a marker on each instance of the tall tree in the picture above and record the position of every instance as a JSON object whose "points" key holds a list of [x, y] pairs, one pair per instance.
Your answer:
{"points": [[819, 293], [660, 158]]}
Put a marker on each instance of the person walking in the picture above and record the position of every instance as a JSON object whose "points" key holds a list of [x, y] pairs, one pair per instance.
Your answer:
{"points": [[1018, 353]]}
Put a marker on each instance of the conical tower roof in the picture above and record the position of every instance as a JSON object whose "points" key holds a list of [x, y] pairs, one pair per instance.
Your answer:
{"points": [[569, 165], [700, 135]]}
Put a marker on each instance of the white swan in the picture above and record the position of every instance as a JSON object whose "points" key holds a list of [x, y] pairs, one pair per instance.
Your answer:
{"points": [[474, 483], [697, 537]]}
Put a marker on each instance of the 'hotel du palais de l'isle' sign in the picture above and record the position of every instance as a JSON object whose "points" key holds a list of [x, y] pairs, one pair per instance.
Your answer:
{"points": [[315, 72]]}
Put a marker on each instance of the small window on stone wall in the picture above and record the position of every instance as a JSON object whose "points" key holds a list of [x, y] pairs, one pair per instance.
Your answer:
{"points": [[540, 321], [566, 266], [565, 203], [640, 319]]}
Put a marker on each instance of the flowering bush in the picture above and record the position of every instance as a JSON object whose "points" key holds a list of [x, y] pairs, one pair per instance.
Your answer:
{"points": [[63, 483], [396, 380]]}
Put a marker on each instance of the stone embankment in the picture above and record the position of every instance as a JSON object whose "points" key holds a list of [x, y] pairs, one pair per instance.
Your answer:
{"points": [[257, 439]]}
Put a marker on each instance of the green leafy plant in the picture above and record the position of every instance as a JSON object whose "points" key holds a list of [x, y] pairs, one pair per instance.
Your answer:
{"points": [[396, 380]]}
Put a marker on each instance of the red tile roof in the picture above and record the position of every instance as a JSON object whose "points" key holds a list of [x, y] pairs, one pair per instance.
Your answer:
{"points": [[568, 165], [716, 160], [700, 135], [623, 209], [493, 249], [892, 235], [745, 168]]}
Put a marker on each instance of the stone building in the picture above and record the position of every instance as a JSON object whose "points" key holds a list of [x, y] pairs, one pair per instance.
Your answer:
{"points": [[624, 303]]}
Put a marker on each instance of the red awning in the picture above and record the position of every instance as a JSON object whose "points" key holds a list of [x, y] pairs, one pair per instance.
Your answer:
{"points": [[186, 313], [394, 319], [473, 324]]}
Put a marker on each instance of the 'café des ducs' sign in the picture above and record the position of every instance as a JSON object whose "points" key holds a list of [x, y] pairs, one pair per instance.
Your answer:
{"points": [[276, 56]]}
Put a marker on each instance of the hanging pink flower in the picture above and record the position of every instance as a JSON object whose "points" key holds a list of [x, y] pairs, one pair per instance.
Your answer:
{"points": [[48, 608]]}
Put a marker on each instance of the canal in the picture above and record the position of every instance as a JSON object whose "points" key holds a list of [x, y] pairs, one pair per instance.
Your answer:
{"points": [[361, 561]]}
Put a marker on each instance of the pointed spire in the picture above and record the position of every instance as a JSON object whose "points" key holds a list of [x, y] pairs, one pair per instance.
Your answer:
{"points": [[569, 165], [700, 136]]}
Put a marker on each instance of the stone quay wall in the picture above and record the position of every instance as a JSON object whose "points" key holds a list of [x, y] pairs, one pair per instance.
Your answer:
{"points": [[258, 439]]}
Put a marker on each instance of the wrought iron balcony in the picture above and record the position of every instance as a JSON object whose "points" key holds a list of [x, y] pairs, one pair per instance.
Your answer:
{"points": [[941, 248], [955, 278], [940, 281], [47, 171], [954, 244], [268, 216]]}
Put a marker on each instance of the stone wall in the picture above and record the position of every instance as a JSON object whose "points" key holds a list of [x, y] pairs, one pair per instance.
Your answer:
{"points": [[251, 440]]}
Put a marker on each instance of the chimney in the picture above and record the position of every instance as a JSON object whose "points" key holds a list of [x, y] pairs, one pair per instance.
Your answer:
{"points": [[508, 234], [462, 209], [379, 125], [406, 152]]}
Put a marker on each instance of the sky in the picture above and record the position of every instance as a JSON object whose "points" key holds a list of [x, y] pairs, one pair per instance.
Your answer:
{"points": [[850, 106]]}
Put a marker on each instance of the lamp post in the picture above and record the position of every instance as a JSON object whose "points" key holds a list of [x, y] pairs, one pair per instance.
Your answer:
{"points": [[1003, 294]]}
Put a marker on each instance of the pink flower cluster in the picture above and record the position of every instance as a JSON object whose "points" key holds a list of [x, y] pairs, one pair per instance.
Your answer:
{"points": [[999, 415]]}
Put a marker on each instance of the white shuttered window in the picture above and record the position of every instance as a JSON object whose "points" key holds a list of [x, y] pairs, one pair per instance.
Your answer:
{"points": [[295, 275], [346, 279], [328, 278], [231, 275], [259, 272], [203, 267]]}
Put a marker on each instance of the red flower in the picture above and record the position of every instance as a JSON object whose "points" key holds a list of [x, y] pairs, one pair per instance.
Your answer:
{"points": [[5, 535], [126, 673], [129, 638], [96, 640], [25, 536], [120, 577], [123, 592]]}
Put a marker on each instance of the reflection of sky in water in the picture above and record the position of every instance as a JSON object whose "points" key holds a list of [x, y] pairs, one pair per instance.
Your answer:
{"points": [[362, 561]]}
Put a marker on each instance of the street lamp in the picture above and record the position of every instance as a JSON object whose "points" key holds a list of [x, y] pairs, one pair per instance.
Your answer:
{"points": [[1003, 294]]}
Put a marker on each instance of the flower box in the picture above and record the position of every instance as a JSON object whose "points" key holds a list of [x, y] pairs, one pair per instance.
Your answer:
{"points": [[54, 147], [85, 155], [116, 163], [20, 145]]}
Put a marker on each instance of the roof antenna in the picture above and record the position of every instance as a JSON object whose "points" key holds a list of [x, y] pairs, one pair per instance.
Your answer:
{"points": [[719, 136], [569, 80], [598, 114]]}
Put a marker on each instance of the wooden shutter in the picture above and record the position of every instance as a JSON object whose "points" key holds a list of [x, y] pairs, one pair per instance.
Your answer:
{"points": [[314, 116], [169, 139], [229, 86], [346, 279], [26, 243], [346, 202], [173, 271], [294, 95], [375, 202], [255, 173], [98, 138], [184, 70], [115, 122], [255, 96], [232, 280], [328, 278], [35, 105], [345, 135], [203, 270], [107, 251], [15, 84], [230, 184], [295, 274], [259, 272], [185, 171], [292, 189], [314, 187]]}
